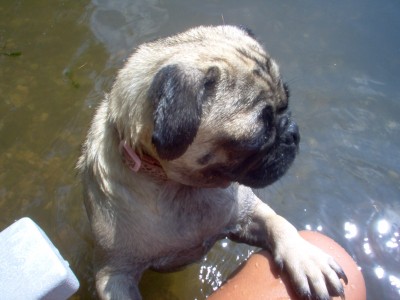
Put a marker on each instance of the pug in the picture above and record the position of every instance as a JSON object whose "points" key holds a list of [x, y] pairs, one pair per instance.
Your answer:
{"points": [[192, 123]]}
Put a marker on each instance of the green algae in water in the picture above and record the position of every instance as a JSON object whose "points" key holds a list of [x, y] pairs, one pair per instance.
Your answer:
{"points": [[11, 54], [68, 73]]}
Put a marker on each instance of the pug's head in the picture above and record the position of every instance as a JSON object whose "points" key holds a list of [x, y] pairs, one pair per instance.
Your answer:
{"points": [[219, 110]]}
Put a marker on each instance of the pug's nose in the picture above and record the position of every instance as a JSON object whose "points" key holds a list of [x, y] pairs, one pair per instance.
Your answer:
{"points": [[289, 131]]}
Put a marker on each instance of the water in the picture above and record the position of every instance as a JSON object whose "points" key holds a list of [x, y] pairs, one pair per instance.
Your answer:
{"points": [[342, 62]]}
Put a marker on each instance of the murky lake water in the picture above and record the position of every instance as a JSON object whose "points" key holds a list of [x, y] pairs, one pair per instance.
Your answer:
{"points": [[341, 59]]}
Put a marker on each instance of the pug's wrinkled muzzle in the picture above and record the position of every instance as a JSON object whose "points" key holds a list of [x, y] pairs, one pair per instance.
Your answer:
{"points": [[272, 160]]}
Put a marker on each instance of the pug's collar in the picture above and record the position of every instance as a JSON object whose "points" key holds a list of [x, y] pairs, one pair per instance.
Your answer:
{"points": [[145, 164]]}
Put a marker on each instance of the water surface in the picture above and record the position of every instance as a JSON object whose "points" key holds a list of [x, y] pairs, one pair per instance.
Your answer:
{"points": [[341, 60]]}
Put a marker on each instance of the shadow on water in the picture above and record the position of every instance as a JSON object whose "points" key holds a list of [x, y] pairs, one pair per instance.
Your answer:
{"points": [[341, 60]]}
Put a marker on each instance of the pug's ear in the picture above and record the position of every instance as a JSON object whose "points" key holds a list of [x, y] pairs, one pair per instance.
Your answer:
{"points": [[177, 94]]}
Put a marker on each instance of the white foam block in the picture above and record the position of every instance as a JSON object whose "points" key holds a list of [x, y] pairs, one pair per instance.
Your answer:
{"points": [[31, 267]]}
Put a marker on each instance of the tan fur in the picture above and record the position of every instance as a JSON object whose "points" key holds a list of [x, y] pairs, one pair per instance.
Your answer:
{"points": [[140, 222]]}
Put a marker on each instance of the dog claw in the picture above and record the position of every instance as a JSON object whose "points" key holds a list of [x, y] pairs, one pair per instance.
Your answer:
{"points": [[343, 276], [339, 271], [336, 291]]}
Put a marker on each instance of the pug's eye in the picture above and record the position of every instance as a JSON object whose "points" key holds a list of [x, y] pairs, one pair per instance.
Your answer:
{"points": [[282, 107], [267, 115], [205, 159]]}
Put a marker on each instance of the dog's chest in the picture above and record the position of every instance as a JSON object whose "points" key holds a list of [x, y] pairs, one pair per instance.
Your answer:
{"points": [[187, 226], [194, 216]]}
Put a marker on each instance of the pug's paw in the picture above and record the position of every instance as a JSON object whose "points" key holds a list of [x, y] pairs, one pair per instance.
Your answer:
{"points": [[313, 273]]}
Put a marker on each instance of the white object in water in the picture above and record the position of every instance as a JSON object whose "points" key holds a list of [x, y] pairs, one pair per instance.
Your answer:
{"points": [[31, 267]]}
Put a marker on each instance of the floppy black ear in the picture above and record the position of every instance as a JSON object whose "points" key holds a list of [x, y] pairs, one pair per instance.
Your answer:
{"points": [[177, 94]]}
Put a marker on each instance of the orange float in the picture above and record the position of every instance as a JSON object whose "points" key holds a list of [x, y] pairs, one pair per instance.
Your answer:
{"points": [[258, 277]]}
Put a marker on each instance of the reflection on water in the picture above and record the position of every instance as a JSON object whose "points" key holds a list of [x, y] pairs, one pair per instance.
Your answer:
{"points": [[341, 60], [382, 242], [120, 25]]}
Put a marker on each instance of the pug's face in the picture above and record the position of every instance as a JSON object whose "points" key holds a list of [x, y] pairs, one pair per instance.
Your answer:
{"points": [[222, 115]]}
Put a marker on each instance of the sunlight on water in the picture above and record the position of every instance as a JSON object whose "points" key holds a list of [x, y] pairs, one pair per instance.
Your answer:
{"points": [[210, 275], [382, 245], [351, 230], [380, 272], [395, 282], [367, 247], [316, 228], [341, 60]]}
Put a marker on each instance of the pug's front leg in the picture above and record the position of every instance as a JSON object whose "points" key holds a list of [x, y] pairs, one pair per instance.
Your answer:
{"points": [[314, 274], [116, 285], [117, 278]]}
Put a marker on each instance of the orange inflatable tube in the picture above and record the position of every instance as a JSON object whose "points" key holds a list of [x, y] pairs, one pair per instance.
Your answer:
{"points": [[258, 277]]}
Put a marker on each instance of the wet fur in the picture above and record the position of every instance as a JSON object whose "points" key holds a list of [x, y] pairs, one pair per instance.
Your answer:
{"points": [[210, 106]]}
